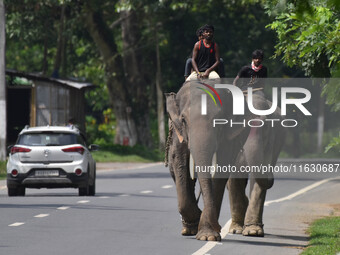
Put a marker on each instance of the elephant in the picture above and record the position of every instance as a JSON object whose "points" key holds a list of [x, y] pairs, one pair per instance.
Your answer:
{"points": [[263, 146], [189, 135], [194, 135]]}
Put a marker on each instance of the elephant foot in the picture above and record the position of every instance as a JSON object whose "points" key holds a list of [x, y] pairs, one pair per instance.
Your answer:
{"points": [[253, 230], [235, 228], [189, 229], [206, 234]]}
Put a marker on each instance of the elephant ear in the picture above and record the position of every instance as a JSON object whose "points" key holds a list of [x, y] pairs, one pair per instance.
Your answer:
{"points": [[174, 113]]}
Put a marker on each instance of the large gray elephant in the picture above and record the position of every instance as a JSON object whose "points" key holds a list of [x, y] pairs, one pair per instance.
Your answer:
{"points": [[193, 133], [262, 147]]}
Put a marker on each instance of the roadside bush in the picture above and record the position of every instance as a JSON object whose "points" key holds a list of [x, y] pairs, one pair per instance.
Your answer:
{"points": [[138, 150], [3, 168], [101, 133]]}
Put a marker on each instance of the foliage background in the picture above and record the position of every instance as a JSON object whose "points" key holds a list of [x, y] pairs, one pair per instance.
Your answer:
{"points": [[297, 37]]}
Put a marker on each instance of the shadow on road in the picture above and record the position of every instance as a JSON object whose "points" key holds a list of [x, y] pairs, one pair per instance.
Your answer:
{"points": [[269, 240]]}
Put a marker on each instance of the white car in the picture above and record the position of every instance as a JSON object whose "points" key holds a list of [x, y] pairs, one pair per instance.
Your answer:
{"points": [[51, 157]]}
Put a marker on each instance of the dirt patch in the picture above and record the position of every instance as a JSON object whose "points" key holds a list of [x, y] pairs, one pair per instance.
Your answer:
{"points": [[336, 208], [314, 211]]}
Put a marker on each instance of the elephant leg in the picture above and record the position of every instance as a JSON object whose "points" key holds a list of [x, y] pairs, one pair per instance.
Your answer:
{"points": [[237, 196], [221, 176], [219, 188], [185, 187], [208, 228], [253, 225], [254, 150], [238, 203], [187, 204]]}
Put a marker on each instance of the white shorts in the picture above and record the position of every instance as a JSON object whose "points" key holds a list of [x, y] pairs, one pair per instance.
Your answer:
{"points": [[193, 76]]}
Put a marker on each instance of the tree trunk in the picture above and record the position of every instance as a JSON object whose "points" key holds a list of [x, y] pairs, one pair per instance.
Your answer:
{"points": [[296, 136], [160, 100], [321, 70], [134, 75], [44, 62], [3, 116], [61, 44], [321, 122], [126, 128]]}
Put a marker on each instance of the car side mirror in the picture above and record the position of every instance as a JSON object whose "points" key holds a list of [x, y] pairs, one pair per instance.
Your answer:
{"points": [[94, 147], [9, 148]]}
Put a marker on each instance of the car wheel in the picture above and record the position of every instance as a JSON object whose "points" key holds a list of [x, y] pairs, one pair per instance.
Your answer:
{"points": [[92, 188], [84, 191], [13, 192], [21, 191]]}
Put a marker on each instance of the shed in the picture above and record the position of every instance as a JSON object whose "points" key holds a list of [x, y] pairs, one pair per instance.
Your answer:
{"points": [[36, 100]]}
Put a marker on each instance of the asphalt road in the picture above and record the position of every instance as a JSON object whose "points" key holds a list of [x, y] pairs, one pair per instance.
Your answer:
{"points": [[135, 212]]}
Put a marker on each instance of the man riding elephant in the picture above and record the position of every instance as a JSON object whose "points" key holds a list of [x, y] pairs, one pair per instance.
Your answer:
{"points": [[205, 56], [188, 63]]}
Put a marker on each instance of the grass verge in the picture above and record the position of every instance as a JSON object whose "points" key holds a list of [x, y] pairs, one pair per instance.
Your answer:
{"points": [[118, 153], [3, 170], [324, 237]]}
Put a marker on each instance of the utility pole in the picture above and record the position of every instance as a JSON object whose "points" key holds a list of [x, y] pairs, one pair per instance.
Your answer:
{"points": [[3, 117]]}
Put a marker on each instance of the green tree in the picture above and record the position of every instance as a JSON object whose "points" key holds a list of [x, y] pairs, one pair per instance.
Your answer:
{"points": [[112, 44], [308, 36], [309, 40]]}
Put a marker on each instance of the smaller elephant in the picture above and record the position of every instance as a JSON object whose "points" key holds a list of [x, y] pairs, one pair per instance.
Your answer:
{"points": [[262, 148]]}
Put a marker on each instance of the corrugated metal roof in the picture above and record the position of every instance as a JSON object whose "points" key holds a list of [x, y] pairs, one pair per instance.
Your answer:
{"points": [[34, 76]]}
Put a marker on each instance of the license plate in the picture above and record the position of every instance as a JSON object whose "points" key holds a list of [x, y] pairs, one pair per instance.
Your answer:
{"points": [[46, 173]]}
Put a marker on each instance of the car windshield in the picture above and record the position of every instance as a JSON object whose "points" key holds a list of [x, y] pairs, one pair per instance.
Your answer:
{"points": [[49, 139]]}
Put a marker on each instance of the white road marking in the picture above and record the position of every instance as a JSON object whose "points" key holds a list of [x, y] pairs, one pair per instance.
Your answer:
{"points": [[3, 187], [209, 245], [167, 186], [124, 195], [41, 215], [83, 201], [16, 224], [299, 192], [146, 192], [63, 208], [103, 197]]}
